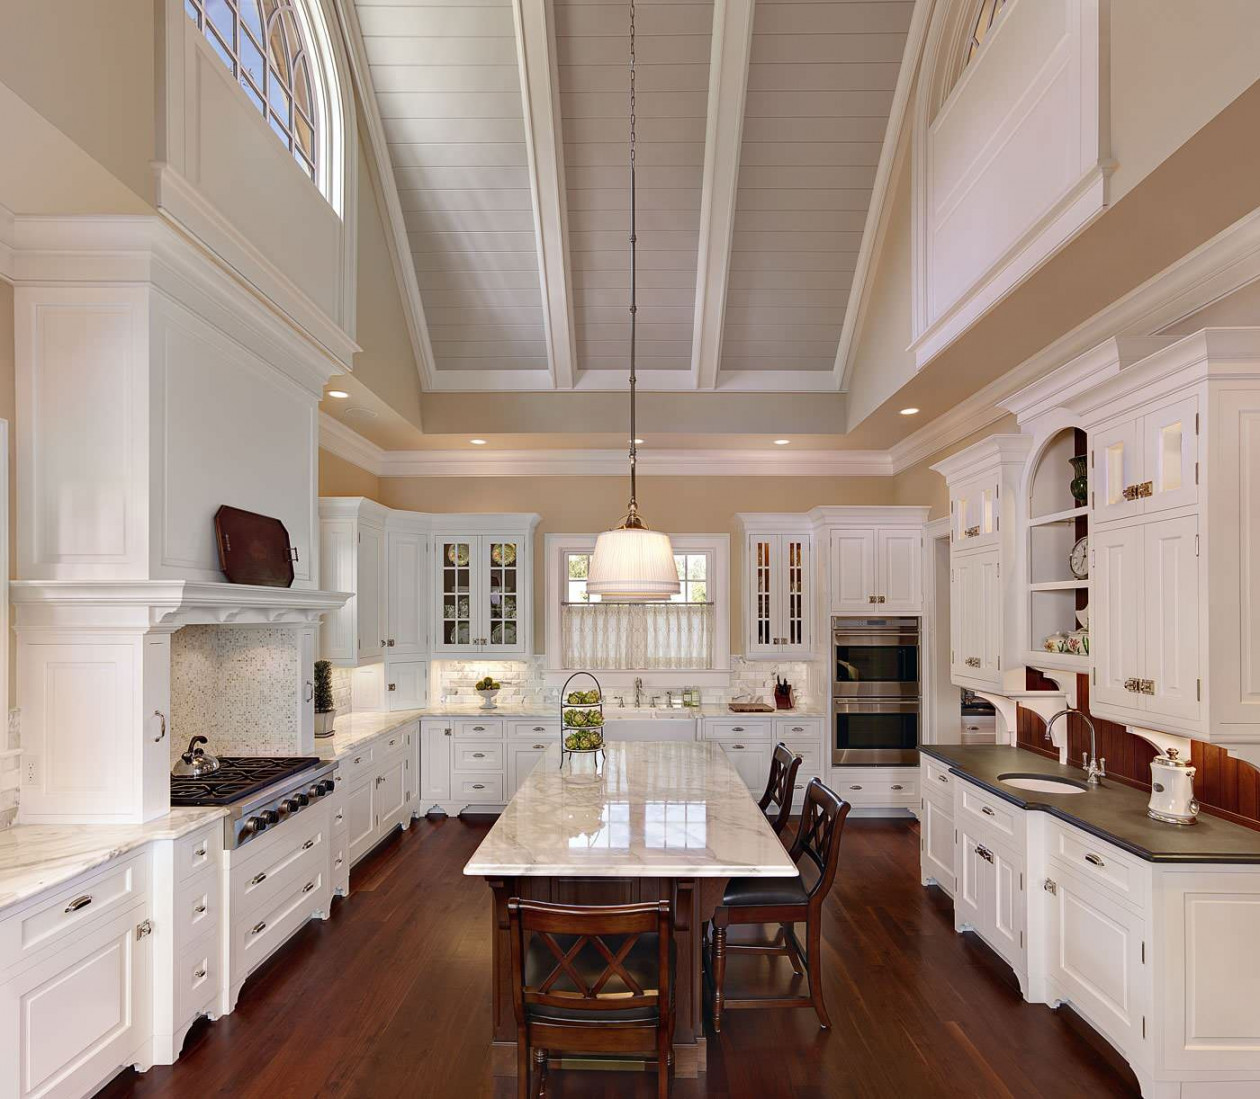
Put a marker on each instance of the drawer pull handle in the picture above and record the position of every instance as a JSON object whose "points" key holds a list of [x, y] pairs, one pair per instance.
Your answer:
{"points": [[797, 729], [479, 786], [79, 902], [737, 747], [986, 810], [1096, 860], [855, 787], [479, 755], [162, 730], [479, 728], [200, 852], [308, 845], [540, 729], [393, 742], [339, 862], [942, 778], [737, 728], [340, 817], [358, 759], [984, 853], [198, 974], [898, 786], [199, 909], [308, 887], [259, 927], [258, 878], [542, 746]]}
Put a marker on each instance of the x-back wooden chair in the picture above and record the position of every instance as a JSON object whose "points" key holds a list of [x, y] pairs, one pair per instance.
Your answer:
{"points": [[776, 802]]}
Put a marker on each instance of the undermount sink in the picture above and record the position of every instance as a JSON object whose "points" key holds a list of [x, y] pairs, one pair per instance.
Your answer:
{"points": [[1044, 784]]}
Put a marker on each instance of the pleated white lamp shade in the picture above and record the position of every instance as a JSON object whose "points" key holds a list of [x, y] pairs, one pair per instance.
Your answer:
{"points": [[633, 564]]}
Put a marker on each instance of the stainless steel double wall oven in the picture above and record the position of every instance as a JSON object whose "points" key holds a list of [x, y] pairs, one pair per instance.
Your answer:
{"points": [[875, 691]]}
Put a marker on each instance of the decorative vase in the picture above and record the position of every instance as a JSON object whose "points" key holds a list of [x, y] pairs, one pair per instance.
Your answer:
{"points": [[487, 698], [324, 722], [1080, 483]]}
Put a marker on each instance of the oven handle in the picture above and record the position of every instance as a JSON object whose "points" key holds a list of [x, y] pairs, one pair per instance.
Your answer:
{"points": [[875, 639], [871, 706]]}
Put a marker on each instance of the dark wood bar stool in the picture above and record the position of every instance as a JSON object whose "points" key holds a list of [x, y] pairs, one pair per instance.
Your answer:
{"points": [[776, 802], [786, 902], [591, 979]]}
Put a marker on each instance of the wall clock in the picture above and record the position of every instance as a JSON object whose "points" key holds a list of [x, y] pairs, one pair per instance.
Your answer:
{"points": [[1079, 559]]}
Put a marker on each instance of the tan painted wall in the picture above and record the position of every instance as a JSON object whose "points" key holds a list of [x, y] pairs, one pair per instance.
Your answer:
{"points": [[386, 364], [8, 410], [88, 68], [681, 505], [1173, 67], [337, 477]]}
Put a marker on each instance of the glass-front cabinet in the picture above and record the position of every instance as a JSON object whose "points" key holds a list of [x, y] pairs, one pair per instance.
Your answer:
{"points": [[482, 603], [778, 595]]}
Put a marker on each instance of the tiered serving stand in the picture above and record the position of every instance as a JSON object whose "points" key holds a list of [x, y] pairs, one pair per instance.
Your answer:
{"points": [[585, 707]]}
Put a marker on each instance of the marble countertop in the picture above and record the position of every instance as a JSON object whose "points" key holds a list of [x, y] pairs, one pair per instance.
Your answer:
{"points": [[649, 809], [352, 730], [1111, 811], [38, 857]]}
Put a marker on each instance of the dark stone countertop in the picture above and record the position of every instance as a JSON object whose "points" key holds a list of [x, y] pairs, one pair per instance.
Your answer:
{"points": [[1111, 811]]}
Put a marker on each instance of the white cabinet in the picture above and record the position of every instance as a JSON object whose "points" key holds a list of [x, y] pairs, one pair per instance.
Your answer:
{"points": [[976, 621], [380, 788], [522, 758], [778, 601], [435, 762], [751, 758], [406, 623], [352, 558], [393, 798], [936, 825], [989, 892], [975, 511], [877, 567], [482, 596], [406, 684], [361, 817], [1147, 463]]}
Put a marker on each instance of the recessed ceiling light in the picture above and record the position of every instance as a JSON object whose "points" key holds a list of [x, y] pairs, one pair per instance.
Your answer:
{"points": [[477, 442], [365, 413], [909, 411], [782, 442], [340, 394]]}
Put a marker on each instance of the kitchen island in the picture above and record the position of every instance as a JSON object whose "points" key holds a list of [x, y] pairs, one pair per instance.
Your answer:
{"points": [[648, 821]]}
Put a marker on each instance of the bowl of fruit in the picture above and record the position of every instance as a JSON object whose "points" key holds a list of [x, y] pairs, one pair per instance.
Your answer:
{"points": [[582, 698], [487, 688]]}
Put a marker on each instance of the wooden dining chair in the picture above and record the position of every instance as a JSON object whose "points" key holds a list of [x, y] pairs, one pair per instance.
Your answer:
{"points": [[786, 902], [776, 802], [591, 980]]}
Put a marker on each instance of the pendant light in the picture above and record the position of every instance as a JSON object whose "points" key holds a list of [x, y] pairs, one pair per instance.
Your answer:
{"points": [[631, 563]]}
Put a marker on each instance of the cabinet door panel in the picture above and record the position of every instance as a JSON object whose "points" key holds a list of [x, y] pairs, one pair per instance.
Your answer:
{"points": [[937, 825], [1004, 928], [899, 571], [762, 562], [361, 817], [406, 684], [522, 759], [956, 654], [1170, 452], [989, 616], [405, 593], [1117, 609], [852, 571], [1171, 629], [369, 596], [1095, 958], [751, 760], [456, 600], [795, 604], [504, 564], [1117, 465], [391, 794], [973, 884], [435, 763]]}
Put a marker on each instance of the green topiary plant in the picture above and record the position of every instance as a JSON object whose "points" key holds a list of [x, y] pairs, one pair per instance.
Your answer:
{"points": [[323, 687]]}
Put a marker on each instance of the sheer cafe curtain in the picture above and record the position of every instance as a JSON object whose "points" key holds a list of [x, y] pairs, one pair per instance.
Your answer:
{"points": [[638, 635]]}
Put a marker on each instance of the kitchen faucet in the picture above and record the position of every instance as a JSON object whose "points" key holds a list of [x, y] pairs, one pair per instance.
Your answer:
{"points": [[1095, 768], [638, 691]]}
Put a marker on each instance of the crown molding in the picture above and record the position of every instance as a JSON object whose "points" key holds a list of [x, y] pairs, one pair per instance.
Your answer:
{"points": [[966, 418], [347, 443]]}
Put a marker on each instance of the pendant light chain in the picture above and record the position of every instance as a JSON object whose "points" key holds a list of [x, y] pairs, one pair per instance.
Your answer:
{"points": [[633, 515]]}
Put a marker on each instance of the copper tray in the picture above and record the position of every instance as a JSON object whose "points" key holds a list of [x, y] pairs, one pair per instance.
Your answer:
{"points": [[253, 548]]}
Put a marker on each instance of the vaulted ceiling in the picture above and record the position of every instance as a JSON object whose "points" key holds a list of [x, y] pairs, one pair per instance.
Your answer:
{"points": [[502, 130]]}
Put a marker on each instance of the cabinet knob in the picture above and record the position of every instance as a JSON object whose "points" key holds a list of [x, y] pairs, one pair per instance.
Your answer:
{"points": [[393, 686], [390, 643], [145, 928], [198, 974], [1050, 885], [199, 909]]}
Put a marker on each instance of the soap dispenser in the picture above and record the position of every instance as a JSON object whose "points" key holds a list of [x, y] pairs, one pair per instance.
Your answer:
{"points": [[1172, 790]]}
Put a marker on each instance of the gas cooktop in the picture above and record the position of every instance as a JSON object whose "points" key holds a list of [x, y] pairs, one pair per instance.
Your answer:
{"points": [[237, 778]]}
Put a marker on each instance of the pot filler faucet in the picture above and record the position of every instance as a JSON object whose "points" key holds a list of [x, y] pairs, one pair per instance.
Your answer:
{"points": [[1095, 768]]}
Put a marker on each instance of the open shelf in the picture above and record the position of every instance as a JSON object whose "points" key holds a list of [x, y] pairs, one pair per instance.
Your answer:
{"points": [[1068, 662], [1069, 516], [1059, 585]]}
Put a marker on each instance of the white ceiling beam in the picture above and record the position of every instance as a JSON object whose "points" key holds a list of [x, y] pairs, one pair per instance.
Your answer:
{"points": [[877, 214], [540, 99], [724, 132], [387, 193]]}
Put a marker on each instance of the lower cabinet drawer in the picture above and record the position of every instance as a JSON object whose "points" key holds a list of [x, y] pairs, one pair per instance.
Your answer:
{"points": [[256, 883], [876, 786], [979, 805], [535, 728], [197, 907], [256, 935], [936, 777], [1099, 862], [197, 977], [477, 757], [481, 727], [356, 764], [726, 729], [59, 917], [198, 852], [789, 729], [478, 789]]}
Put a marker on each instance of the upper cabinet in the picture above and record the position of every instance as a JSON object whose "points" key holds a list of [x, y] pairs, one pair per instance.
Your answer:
{"points": [[483, 593], [875, 559], [417, 592], [984, 483], [778, 592], [1174, 443]]}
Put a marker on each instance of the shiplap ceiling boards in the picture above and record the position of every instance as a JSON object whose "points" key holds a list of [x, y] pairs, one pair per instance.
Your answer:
{"points": [[760, 122]]}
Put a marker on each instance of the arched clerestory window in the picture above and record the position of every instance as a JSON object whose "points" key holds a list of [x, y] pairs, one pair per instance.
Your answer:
{"points": [[265, 45]]}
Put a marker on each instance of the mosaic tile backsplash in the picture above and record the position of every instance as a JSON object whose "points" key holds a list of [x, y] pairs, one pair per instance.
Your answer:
{"points": [[234, 685]]}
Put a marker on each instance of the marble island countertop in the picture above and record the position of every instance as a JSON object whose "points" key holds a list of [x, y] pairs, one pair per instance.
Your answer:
{"points": [[1111, 811], [652, 809], [37, 857]]}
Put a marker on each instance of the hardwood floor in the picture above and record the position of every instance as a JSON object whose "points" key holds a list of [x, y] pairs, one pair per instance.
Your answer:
{"points": [[391, 997]]}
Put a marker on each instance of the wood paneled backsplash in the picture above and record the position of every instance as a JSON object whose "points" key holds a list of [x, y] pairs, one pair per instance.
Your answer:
{"points": [[1225, 786]]}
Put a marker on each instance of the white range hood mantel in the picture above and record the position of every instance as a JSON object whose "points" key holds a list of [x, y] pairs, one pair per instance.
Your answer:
{"points": [[169, 604]]}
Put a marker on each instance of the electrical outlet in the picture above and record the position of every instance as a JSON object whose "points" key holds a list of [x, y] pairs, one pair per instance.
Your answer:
{"points": [[31, 771]]}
